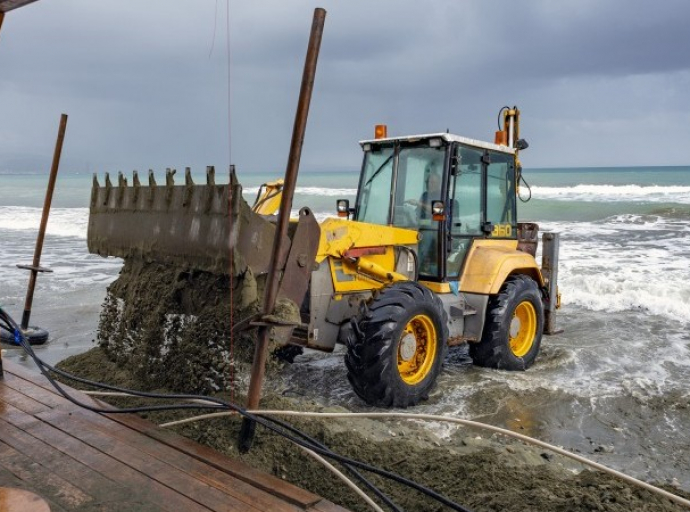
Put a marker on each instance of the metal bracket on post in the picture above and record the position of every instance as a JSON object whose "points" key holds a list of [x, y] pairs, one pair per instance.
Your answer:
{"points": [[549, 269]]}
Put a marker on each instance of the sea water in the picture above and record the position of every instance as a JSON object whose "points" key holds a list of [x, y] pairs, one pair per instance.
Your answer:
{"points": [[615, 385]]}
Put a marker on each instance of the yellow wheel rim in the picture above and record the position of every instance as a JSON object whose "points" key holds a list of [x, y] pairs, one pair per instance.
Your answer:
{"points": [[523, 329], [417, 349]]}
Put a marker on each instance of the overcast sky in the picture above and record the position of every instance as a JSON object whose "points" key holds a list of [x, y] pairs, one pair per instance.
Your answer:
{"points": [[145, 82]]}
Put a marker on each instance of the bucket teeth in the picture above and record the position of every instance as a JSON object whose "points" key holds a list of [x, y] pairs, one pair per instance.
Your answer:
{"points": [[198, 226], [94, 190], [169, 177]]}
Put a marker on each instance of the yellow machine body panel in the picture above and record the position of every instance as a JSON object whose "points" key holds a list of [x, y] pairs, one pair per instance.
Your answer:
{"points": [[269, 198], [361, 256], [340, 235], [490, 262], [366, 273], [437, 287]]}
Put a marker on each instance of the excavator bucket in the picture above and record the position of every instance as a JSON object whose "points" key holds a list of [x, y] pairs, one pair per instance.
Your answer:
{"points": [[196, 226]]}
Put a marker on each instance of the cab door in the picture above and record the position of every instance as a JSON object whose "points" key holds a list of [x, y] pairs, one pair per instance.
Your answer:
{"points": [[482, 205], [466, 206]]}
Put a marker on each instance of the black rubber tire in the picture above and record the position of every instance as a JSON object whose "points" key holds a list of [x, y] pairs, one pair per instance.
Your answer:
{"points": [[288, 353], [373, 344], [494, 350], [34, 335]]}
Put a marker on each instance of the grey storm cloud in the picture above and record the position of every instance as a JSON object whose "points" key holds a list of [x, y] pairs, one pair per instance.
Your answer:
{"points": [[146, 82]]}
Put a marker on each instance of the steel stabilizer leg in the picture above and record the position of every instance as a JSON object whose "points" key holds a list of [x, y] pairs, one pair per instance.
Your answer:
{"points": [[247, 431]]}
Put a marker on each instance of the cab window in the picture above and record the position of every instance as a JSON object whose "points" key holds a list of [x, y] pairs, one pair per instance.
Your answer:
{"points": [[500, 195]]}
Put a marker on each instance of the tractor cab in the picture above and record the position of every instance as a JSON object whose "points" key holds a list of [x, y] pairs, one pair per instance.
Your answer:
{"points": [[450, 189]]}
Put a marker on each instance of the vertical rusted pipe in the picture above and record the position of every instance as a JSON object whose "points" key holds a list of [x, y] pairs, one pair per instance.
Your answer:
{"points": [[549, 269], [44, 222], [280, 250]]}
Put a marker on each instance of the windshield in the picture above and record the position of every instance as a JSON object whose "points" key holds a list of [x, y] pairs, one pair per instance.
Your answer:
{"points": [[375, 191], [398, 187]]}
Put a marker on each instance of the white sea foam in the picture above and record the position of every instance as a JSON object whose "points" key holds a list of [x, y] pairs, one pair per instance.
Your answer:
{"points": [[615, 193], [62, 221], [312, 191], [627, 263]]}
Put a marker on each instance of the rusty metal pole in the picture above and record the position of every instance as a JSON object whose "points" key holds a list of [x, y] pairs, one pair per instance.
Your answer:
{"points": [[35, 268], [280, 250]]}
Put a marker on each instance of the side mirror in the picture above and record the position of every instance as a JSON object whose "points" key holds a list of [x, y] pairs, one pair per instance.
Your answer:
{"points": [[521, 144], [343, 207]]}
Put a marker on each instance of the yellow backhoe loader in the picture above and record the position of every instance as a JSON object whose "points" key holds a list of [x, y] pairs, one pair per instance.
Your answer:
{"points": [[430, 255]]}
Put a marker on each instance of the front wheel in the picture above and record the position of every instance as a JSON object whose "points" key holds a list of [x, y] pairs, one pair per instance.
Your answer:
{"points": [[513, 327], [396, 349]]}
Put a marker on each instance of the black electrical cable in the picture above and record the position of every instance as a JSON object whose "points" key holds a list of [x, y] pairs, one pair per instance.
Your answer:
{"points": [[499, 116], [310, 444], [352, 470], [46, 368], [529, 189]]}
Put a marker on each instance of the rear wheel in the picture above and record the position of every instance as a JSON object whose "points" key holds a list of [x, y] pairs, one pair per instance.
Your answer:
{"points": [[513, 327], [396, 348]]}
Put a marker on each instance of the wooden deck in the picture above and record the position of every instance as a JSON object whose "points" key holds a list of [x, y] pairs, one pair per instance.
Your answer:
{"points": [[84, 461]]}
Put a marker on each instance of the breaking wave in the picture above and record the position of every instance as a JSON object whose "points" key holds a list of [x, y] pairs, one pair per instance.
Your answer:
{"points": [[615, 193], [71, 222]]}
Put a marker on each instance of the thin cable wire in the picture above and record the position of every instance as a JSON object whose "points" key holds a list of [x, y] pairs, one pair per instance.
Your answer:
{"points": [[344, 479], [215, 25], [230, 191], [469, 423], [356, 473]]}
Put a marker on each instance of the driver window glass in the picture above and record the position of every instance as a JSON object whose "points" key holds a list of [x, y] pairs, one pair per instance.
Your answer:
{"points": [[467, 205], [419, 183], [420, 178], [500, 194], [375, 191]]}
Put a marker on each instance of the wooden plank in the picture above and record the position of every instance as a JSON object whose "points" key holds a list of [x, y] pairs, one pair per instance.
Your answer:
{"points": [[22, 402], [327, 506], [39, 381], [45, 482], [268, 483], [38, 393], [71, 470], [305, 500], [8, 479], [140, 485], [238, 469], [197, 469], [158, 470]]}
